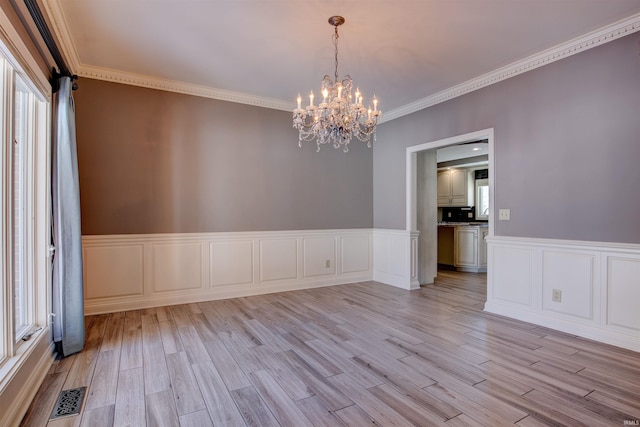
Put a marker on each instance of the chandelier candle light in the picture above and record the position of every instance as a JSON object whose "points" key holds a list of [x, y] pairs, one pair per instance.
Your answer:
{"points": [[340, 115]]}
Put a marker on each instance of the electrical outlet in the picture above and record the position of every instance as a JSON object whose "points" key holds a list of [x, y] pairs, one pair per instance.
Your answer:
{"points": [[556, 295], [327, 264], [504, 214]]}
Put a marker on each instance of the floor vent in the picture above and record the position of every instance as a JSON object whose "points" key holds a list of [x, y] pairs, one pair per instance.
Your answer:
{"points": [[69, 403]]}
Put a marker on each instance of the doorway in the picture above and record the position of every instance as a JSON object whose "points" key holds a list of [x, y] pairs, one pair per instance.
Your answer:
{"points": [[423, 164]]}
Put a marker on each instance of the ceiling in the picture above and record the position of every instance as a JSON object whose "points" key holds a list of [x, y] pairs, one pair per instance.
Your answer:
{"points": [[266, 52], [462, 151]]}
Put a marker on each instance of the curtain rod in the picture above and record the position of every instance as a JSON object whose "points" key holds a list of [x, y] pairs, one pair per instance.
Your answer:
{"points": [[43, 29]]}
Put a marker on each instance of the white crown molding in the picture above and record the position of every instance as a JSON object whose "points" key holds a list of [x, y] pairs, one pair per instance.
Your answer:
{"points": [[53, 10], [595, 38], [181, 87]]}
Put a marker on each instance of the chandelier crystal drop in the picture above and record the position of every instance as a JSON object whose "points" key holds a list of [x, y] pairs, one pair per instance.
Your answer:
{"points": [[341, 115]]}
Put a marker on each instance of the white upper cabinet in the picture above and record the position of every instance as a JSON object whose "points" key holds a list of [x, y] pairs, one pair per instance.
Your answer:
{"points": [[455, 188]]}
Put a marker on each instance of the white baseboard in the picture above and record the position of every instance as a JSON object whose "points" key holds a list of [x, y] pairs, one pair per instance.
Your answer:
{"points": [[599, 286], [18, 392]]}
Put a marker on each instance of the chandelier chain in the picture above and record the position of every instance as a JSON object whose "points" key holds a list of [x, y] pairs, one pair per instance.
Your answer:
{"points": [[335, 45]]}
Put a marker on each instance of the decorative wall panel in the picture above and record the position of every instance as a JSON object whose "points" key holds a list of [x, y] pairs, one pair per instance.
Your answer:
{"points": [[126, 272], [623, 293], [231, 262], [319, 258], [278, 259], [598, 282], [572, 274], [113, 270], [176, 266]]}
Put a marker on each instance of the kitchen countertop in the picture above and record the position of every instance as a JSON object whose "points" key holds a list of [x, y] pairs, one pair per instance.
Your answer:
{"points": [[463, 224]]}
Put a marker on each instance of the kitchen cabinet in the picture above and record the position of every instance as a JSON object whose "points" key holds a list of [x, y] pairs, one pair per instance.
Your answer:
{"points": [[455, 188], [484, 232], [470, 248], [466, 244], [446, 249]]}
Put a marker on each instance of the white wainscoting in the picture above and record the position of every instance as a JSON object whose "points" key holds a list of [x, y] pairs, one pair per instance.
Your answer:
{"points": [[396, 258], [126, 272], [599, 282]]}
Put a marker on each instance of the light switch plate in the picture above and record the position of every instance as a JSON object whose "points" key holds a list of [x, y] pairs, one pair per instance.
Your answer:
{"points": [[504, 214]]}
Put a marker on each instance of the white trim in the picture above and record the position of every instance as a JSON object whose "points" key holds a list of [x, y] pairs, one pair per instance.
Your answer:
{"points": [[599, 281], [395, 259], [411, 162], [126, 272], [181, 87], [24, 62], [595, 38], [53, 9], [16, 394]]}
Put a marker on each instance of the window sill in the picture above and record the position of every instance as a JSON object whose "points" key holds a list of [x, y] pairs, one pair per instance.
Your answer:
{"points": [[11, 365]]}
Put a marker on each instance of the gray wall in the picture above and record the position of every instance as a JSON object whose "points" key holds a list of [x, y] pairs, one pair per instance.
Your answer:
{"points": [[159, 162], [567, 147]]}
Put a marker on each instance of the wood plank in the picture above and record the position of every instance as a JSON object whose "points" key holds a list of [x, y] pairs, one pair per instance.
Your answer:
{"points": [[222, 409], [394, 372], [130, 402], [131, 350], [156, 375], [532, 421], [170, 338], [271, 340], [319, 415], [161, 409], [102, 391], [99, 417], [377, 409], [487, 415], [232, 375], [193, 345], [325, 389], [321, 364], [95, 327], [186, 392], [583, 410], [81, 371], [112, 340], [181, 315], [42, 405], [203, 327], [283, 408], [343, 361], [291, 383], [409, 408], [354, 416], [196, 419], [253, 409]]}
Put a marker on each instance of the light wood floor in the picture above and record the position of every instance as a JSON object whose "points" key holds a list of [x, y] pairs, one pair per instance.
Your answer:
{"points": [[362, 354]]}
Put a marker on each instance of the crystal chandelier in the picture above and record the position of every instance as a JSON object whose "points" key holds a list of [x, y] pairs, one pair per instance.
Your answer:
{"points": [[340, 116]]}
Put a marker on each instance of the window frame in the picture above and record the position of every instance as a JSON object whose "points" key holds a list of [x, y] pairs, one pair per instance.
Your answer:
{"points": [[36, 217]]}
